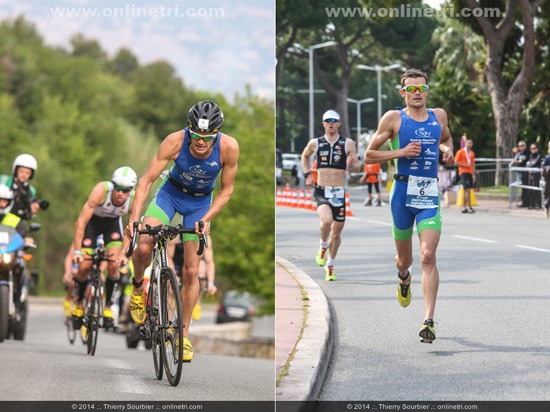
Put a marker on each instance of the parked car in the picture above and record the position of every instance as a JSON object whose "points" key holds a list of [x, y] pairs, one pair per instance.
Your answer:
{"points": [[236, 307], [291, 159]]}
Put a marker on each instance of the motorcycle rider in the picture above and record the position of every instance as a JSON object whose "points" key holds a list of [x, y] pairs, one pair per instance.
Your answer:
{"points": [[6, 217], [25, 203]]}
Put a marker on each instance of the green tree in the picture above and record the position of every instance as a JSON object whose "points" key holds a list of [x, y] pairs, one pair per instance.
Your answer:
{"points": [[510, 65]]}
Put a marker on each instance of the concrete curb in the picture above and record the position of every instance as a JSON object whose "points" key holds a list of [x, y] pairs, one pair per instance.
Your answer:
{"points": [[307, 370]]}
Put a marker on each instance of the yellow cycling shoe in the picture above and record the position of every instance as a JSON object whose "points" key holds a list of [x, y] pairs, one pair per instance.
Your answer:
{"points": [[197, 312], [137, 308], [67, 308], [404, 291], [78, 316], [84, 333], [187, 350], [108, 318]]}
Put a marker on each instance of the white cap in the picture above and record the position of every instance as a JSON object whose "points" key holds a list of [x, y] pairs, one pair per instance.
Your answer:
{"points": [[331, 114]]}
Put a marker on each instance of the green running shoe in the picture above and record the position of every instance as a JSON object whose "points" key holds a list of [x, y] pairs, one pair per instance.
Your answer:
{"points": [[330, 273], [321, 257], [427, 331], [404, 291]]}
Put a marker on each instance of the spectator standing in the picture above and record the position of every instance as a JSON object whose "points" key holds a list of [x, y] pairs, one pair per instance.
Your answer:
{"points": [[546, 175], [371, 176], [465, 159], [535, 160], [520, 160]]}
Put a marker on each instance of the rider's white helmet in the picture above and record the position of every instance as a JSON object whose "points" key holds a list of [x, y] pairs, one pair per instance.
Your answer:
{"points": [[6, 193], [25, 160], [124, 177]]}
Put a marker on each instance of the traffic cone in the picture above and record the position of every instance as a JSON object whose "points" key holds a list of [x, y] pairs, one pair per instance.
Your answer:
{"points": [[293, 199], [460, 198], [279, 198], [286, 195], [301, 199], [307, 203], [348, 206]]}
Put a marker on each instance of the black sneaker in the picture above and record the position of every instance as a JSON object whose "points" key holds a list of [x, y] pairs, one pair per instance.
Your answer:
{"points": [[465, 211]]}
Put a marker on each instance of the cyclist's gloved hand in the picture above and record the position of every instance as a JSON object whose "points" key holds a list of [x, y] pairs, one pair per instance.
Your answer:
{"points": [[77, 256], [205, 229], [123, 262], [212, 289]]}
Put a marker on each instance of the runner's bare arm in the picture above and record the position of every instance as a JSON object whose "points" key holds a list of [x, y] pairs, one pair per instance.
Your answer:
{"points": [[96, 198], [353, 164], [445, 141], [168, 150], [309, 150], [229, 155], [387, 130]]}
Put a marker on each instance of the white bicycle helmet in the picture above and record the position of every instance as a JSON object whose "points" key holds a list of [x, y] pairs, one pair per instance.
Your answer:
{"points": [[124, 177], [6, 193], [25, 160]]}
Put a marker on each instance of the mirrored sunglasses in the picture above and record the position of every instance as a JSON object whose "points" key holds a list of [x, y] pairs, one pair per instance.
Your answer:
{"points": [[205, 137], [331, 120], [122, 188], [413, 89]]}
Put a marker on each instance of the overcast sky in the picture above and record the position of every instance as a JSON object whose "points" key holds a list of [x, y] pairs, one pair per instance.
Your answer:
{"points": [[214, 45]]}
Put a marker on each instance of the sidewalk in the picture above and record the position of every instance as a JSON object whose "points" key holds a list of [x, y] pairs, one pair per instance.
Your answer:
{"points": [[304, 340]]}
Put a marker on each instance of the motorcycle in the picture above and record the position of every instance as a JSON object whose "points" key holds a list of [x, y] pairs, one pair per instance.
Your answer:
{"points": [[14, 282]]}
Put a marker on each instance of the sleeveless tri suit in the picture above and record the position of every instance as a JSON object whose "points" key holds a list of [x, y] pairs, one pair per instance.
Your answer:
{"points": [[415, 191], [188, 187]]}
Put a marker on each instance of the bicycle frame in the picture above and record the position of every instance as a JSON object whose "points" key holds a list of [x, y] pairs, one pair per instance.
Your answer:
{"points": [[162, 324]]}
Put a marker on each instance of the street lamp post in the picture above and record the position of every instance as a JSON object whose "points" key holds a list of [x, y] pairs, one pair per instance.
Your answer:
{"points": [[310, 50], [358, 103], [379, 69]]}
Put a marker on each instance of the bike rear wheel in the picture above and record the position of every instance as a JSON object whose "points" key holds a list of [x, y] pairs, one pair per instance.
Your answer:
{"points": [[71, 332], [172, 328], [153, 321]]}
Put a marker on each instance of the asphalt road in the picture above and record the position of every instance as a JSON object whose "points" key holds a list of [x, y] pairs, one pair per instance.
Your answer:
{"points": [[492, 313], [47, 367]]}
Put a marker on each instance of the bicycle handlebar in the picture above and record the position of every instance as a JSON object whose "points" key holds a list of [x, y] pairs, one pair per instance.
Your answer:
{"points": [[100, 255], [167, 232]]}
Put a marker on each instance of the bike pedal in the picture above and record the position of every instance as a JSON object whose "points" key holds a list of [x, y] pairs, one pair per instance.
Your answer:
{"points": [[144, 332]]}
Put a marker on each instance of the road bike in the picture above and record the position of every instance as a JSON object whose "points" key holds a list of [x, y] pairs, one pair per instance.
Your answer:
{"points": [[93, 310], [164, 322]]}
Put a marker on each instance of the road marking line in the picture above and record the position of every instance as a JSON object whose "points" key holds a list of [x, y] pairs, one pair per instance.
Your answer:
{"points": [[376, 222], [475, 239], [533, 248], [130, 384]]}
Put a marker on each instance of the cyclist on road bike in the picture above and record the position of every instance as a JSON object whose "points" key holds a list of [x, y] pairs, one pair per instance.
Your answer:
{"points": [[70, 270], [102, 215], [200, 152]]}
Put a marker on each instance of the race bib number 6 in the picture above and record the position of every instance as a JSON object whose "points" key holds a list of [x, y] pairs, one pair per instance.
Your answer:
{"points": [[422, 192]]}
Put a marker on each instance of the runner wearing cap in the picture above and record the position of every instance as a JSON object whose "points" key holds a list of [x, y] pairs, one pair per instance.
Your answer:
{"points": [[334, 155]]}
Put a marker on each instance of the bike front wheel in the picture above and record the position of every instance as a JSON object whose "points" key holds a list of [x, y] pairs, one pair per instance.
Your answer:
{"points": [[172, 328], [153, 323], [92, 317]]}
